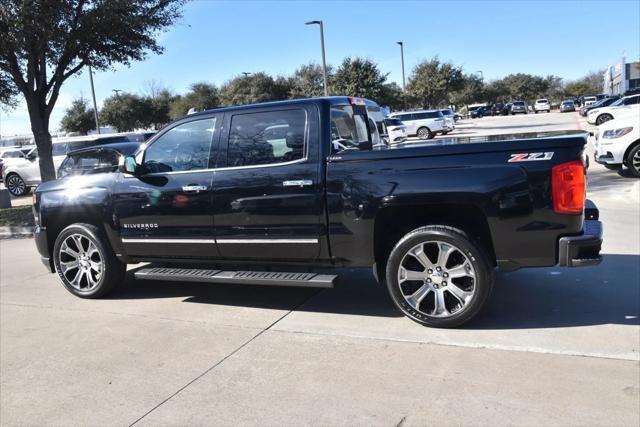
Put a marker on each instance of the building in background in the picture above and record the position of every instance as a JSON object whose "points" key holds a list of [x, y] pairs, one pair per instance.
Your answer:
{"points": [[622, 77]]}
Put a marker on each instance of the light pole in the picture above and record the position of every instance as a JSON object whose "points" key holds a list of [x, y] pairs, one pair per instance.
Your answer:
{"points": [[95, 106], [246, 74], [481, 74], [324, 61], [117, 91], [402, 60]]}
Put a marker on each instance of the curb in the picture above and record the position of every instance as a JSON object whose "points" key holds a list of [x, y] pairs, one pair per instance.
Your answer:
{"points": [[15, 232]]}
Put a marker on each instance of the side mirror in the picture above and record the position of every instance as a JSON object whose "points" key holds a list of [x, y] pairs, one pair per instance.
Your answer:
{"points": [[129, 165], [365, 145]]}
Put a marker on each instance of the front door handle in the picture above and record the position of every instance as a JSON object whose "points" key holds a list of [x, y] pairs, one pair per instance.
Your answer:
{"points": [[192, 188], [298, 183]]}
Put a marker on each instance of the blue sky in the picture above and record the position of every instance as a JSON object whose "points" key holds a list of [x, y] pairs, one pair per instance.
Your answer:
{"points": [[215, 41]]}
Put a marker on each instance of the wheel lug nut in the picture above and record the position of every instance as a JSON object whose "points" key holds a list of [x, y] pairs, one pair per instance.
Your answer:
{"points": [[444, 283], [445, 275], [428, 280], [429, 271], [438, 268]]}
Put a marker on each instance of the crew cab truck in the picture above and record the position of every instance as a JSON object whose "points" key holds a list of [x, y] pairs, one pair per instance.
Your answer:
{"points": [[284, 193]]}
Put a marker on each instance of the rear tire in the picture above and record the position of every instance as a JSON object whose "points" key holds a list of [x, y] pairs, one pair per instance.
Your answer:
{"points": [[425, 133], [85, 262], [16, 185], [419, 267]]}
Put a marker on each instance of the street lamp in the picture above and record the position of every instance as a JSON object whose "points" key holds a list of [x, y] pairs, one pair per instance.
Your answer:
{"points": [[246, 74], [324, 61], [95, 106], [402, 59], [117, 91], [481, 74]]}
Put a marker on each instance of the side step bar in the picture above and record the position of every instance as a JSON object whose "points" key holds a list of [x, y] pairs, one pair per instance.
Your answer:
{"points": [[311, 280]]}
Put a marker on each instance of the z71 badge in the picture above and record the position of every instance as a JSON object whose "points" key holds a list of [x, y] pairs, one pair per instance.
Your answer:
{"points": [[530, 157]]}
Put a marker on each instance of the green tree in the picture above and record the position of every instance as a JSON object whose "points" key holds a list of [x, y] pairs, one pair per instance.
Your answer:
{"points": [[591, 84], [522, 86], [307, 81], [432, 81], [258, 87], [471, 91], [392, 96], [8, 92], [359, 77], [160, 104], [126, 112], [201, 96], [44, 42], [78, 117]]}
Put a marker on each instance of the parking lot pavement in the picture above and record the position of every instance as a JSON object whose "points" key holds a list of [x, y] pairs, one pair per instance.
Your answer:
{"points": [[555, 346]]}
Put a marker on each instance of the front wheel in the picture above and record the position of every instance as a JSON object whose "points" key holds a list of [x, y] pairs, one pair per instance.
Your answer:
{"points": [[16, 185], [85, 262], [603, 118], [633, 160], [438, 277]]}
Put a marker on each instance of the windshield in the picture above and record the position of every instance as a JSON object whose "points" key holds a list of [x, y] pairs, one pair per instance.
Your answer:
{"points": [[518, 103], [618, 102]]}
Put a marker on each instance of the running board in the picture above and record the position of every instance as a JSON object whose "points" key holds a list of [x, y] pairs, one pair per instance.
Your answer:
{"points": [[310, 280]]}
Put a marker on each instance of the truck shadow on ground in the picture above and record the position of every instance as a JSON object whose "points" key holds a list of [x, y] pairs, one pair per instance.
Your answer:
{"points": [[525, 299]]}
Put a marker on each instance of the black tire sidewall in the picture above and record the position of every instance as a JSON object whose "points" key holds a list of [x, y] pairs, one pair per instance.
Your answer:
{"points": [[629, 159], [484, 282], [108, 260], [9, 177]]}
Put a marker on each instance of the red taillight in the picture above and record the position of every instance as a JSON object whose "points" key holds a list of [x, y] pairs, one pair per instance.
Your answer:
{"points": [[569, 187]]}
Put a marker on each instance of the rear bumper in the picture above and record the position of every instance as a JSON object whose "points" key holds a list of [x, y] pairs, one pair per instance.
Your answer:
{"points": [[584, 249], [42, 244]]}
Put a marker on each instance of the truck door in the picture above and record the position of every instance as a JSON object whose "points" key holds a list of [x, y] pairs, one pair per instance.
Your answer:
{"points": [[267, 188], [165, 211]]}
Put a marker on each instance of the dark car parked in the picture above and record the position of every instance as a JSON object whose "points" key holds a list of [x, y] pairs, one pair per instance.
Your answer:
{"points": [[288, 193], [605, 102], [476, 112]]}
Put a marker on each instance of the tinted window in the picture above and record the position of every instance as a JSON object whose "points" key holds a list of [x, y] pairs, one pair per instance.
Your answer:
{"points": [[518, 103], [631, 101], [393, 122], [427, 115], [264, 138], [59, 149], [182, 148], [90, 162], [12, 154]]}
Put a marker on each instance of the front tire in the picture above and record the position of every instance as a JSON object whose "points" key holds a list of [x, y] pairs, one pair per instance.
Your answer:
{"points": [[16, 185], [438, 277], [85, 262], [603, 118], [633, 161]]}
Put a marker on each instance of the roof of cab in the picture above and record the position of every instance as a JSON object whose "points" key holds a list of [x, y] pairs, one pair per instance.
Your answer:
{"points": [[332, 100]]}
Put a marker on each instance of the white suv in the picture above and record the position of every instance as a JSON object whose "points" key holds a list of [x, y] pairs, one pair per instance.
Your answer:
{"points": [[617, 143], [425, 124], [542, 105]]}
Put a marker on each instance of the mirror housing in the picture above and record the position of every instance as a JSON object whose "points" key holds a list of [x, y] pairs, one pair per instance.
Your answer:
{"points": [[129, 165], [365, 145]]}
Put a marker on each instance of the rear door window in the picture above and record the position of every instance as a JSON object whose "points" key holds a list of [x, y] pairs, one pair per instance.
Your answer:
{"points": [[266, 137], [59, 149]]}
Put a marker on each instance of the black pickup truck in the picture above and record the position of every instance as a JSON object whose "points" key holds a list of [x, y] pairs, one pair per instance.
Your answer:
{"points": [[285, 193]]}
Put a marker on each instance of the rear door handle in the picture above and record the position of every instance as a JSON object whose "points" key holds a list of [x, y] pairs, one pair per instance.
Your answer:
{"points": [[192, 188], [297, 183]]}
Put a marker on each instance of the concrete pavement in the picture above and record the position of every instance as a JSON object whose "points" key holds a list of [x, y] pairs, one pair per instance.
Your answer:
{"points": [[555, 347]]}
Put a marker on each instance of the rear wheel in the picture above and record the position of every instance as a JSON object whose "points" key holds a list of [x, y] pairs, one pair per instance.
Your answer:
{"points": [[633, 160], [16, 185], [438, 277], [425, 133], [85, 262], [603, 118]]}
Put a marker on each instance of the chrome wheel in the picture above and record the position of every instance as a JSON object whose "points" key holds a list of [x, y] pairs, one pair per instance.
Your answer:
{"points": [[81, 263], [16, 185], [423, 133], [635, 162], [437, 279]]}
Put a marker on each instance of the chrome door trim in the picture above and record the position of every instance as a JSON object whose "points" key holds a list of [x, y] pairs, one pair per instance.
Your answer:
{"points": [[268, 241], [209, 241]]}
